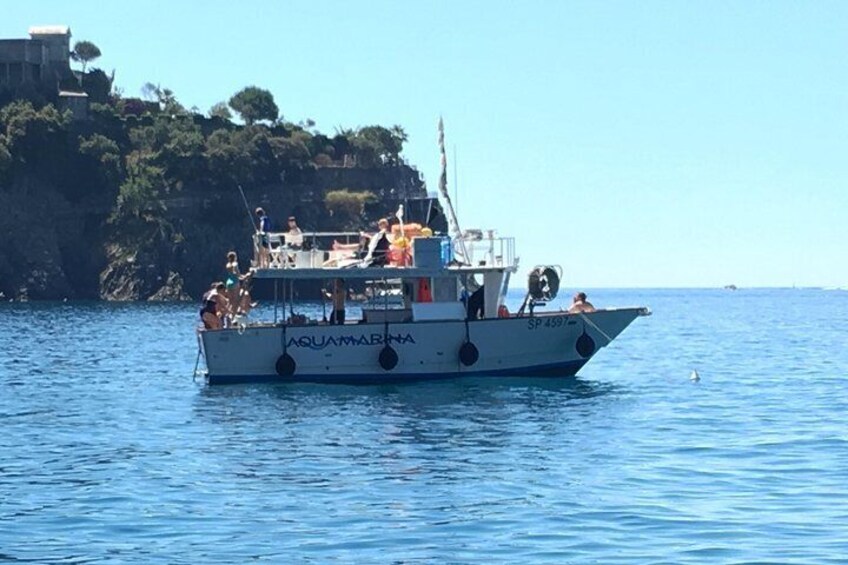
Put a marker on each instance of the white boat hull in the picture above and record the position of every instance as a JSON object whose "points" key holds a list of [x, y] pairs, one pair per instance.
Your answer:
{"points": [[544, 344]]}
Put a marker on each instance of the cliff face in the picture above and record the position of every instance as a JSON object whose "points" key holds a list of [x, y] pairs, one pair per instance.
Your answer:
{"points": [[54, 247], [48, 248]]}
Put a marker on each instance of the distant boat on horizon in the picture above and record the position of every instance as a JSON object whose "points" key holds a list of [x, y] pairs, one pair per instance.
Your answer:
{"points": [[730, 287]]}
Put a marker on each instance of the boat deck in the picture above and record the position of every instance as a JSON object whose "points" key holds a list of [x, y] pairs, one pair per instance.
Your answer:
{"points": [[376, 273]]}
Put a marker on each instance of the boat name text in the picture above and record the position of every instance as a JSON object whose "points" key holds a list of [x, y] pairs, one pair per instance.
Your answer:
{"points": [[320, 342]]}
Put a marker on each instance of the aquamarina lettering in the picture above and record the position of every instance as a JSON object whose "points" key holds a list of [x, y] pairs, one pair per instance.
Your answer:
{"points": [[320, 342]]}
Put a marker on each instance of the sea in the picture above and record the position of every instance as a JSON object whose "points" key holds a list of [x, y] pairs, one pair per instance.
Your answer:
{"points": [[112, 452]]}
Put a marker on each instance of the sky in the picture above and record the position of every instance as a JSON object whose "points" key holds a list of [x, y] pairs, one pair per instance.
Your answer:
{"points": [[637, 144]]}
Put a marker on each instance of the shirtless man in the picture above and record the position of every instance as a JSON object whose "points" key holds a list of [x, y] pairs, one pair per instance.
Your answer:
{"points": [[580, 304], [337, 295]]}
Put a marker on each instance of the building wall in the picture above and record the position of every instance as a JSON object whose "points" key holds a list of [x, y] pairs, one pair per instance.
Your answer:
{"points": [[43, 57], [58, 47], [77, 104], [21, 60]]}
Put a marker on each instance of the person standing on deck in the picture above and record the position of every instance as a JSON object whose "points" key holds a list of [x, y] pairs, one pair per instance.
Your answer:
{"points": [[338, 296], [262, 230], [234, 278]]}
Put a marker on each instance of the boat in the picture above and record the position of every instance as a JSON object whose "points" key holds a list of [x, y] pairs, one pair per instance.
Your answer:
{"points": [[454, 322], [451, 319]]}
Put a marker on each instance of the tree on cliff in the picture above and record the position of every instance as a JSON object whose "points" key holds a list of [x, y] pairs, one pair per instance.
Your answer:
{"points": [[5, 156], [253, 104], [165, 96], [106, 153], [347, 206], [84, 52], [376, 145], [29, 135], [139, 193], [220, 110]]}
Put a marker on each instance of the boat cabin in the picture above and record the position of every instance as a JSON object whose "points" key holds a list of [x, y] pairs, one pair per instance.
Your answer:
{"points": [[423, 278]]}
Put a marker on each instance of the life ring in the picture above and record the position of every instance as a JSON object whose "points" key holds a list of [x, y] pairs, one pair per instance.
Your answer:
{"points": [[543, 283]]}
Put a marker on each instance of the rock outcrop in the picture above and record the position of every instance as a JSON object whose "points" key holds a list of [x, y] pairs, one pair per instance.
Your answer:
{"points": [[55, 248]]}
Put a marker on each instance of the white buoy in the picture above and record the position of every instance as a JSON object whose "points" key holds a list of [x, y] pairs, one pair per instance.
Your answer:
{"points": [[694, 376]]}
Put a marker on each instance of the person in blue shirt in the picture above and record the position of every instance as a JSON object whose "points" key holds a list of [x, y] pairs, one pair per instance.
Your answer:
{"points": [[263, 227]]}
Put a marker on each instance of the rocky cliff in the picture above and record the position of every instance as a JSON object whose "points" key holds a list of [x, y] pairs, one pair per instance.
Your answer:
{"points": [[55, 247]]}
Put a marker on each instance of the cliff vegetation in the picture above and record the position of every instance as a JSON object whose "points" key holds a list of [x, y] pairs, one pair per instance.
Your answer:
{"points": [[139, 198]]}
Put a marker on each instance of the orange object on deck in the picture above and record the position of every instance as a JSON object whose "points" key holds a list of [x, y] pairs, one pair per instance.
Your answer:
{"points": [[424, 293], [399, 257], [409, 230]]}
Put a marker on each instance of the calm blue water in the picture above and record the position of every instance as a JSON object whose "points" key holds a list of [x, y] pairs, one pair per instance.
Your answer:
{"points": [[109, 453]]}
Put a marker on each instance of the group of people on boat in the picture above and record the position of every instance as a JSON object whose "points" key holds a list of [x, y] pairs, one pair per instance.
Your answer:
{"points": [[229, 302], [373, 250], [294, 237], [387, 246], [225, 303]]}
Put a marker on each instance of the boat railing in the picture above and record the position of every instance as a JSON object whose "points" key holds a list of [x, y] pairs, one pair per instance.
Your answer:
{"points": [[488, 251], [305, 250], [316, 250]]}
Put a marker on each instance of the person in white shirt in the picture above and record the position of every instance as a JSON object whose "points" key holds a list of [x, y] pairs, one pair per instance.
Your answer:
{"points": [[378, 247]]}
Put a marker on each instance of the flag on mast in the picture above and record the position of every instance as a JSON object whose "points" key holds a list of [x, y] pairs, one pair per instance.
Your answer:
{"points": [[443, 181], [443, 190]]}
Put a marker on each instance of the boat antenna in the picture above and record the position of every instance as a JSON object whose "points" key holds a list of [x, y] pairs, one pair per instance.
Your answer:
{"points": [[443, 190], [455, 181]]}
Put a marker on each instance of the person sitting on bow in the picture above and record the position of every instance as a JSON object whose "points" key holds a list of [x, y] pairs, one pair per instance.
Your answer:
{"points": [[580, 304]]}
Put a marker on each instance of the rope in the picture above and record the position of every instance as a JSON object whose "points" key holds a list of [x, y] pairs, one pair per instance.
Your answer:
{"points": [[599, 330], [324, 306], [196, 364]]}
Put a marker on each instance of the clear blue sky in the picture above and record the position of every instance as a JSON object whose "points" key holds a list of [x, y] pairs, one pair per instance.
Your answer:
{"points": [[635, 143]]}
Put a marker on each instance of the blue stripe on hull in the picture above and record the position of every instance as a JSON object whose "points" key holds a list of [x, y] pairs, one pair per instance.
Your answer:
{"points": [[568, 369]]}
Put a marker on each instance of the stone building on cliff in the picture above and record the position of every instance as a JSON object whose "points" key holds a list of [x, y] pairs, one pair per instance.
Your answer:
{"points": [[43, 58]]}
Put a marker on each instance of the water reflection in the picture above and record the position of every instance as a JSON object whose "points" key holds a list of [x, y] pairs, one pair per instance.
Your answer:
{"points": [[420, 399], [460, 417]]}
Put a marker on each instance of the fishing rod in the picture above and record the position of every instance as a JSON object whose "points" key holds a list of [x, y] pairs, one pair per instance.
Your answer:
{"points": [[256, 248], [246, 206]]}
